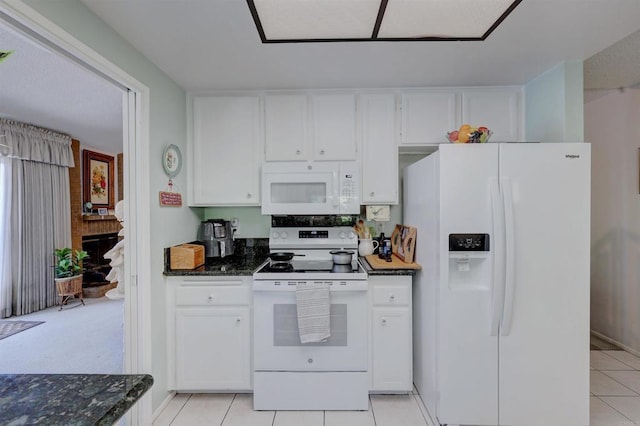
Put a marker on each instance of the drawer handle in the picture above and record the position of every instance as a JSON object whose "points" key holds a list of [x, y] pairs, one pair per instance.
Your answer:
{"points": [[392, 298], [322, 152], [238, 319], [210, 297], [384, 321], [310, 360], [371, 194], [249, 195], [297, 152]]}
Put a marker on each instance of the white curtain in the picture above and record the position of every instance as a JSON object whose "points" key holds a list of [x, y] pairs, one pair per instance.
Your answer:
{"points": [[39, 215], [5, 231]]}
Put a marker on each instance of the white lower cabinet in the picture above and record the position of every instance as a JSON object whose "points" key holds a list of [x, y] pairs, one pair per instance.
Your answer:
{"points": [[391, 333], [210, 333]]}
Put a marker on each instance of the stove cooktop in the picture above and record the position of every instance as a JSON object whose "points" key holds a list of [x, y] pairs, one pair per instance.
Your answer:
{"points": [[310, 267], [310, 270]]}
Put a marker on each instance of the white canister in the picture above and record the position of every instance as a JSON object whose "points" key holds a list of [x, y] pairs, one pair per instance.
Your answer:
{"points": [[367, 246]]}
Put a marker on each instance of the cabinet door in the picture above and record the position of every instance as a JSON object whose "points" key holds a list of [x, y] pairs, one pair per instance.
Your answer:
{"points": [[428, 116], [391, 350], [498, 109], [379, 150], [213, 349], [226, 147], [285, 125], [334, 127]]}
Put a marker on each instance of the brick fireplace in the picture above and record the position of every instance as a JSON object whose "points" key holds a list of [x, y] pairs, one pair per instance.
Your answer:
{"points": [[93, 233], [97, 266]]}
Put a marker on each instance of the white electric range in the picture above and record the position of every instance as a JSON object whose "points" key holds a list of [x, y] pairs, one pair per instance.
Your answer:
{"points": [[330, 375]]}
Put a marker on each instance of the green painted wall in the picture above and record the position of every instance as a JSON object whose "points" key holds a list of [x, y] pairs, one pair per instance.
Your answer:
{"points": [[554, 105]]}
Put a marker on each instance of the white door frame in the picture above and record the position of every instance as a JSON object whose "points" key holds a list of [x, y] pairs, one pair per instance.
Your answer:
{"points": [[137, 213]]}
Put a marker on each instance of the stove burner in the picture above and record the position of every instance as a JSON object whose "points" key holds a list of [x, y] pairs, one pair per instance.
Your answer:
{"points": [[280, 267]]}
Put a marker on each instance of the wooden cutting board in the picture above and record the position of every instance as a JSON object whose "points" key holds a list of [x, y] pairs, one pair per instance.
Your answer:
{"points": [[403, 242], [376, 263]]}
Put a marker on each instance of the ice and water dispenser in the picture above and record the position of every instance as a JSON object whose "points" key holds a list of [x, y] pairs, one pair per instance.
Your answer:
{"points": [[468, 261]]}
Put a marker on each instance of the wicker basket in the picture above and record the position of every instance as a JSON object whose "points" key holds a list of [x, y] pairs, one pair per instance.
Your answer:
{"points": [[68, 288]]}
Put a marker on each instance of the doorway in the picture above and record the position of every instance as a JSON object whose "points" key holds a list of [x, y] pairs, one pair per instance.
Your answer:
{"points": [[135, 123]]}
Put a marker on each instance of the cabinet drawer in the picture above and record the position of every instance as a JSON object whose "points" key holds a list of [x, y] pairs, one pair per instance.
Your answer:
{"points": [[390, 295], [213, 295]]}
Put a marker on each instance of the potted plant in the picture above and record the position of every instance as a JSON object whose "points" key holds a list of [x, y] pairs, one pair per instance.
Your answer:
{"points": [[68, 270]]}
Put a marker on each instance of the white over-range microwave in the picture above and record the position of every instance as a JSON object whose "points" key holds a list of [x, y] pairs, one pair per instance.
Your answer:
{"points": [[311, 188]]}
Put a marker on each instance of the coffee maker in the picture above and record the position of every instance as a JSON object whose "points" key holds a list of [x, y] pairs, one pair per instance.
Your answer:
{"points": [[217, 237]]}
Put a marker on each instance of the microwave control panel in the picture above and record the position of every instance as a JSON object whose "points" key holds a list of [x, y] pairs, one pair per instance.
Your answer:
{"points": [[349, 189], [348, 186]]}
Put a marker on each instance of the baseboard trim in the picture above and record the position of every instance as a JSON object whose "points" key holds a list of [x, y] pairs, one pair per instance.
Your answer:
{"points": [[423, 408], [615, 342], [162, 406]]}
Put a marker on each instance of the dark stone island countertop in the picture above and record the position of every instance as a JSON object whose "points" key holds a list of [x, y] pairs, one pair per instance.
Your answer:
{"points": [[69, 399], [248, 255]]}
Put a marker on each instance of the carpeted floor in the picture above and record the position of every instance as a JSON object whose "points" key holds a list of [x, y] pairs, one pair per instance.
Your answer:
{"points": [[78, 339], [9, 328]]}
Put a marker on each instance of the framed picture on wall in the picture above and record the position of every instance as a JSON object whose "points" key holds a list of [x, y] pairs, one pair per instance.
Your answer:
{"points": [[98, 179]]}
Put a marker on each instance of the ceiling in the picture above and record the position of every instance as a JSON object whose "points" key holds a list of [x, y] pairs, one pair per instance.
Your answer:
{"points": [[45, 89], [214, 45]]}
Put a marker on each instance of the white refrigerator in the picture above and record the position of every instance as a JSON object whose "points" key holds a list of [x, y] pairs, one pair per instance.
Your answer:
{"points": [[501, 305]]}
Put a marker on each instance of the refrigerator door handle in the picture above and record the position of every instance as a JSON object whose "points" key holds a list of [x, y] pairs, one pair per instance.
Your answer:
{"points": [[510, 272], [497, 296]]}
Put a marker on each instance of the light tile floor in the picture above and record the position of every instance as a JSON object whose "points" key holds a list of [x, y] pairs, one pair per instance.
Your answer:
{"points": [[615, 388], [615, 401]]}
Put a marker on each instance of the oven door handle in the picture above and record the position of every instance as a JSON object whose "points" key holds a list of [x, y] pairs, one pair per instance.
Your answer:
{"points": [[284, 286]]}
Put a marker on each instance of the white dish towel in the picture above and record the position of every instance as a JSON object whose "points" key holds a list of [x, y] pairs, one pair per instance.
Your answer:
{"points": [[313, 306]]}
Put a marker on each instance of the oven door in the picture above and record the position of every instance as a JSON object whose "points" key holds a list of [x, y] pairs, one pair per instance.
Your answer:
{"points": [[277, 344]]}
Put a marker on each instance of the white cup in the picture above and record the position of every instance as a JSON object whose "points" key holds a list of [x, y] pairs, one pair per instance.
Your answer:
{"points": [[367, 246]]}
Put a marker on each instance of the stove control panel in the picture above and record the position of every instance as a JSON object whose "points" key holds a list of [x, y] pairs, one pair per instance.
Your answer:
{"points": [[313, 234], [295, 238], [344, 235]]}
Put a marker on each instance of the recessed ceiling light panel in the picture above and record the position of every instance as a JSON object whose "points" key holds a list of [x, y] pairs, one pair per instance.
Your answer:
{"points": [[288, 21], [440, 18], [317, 19]]}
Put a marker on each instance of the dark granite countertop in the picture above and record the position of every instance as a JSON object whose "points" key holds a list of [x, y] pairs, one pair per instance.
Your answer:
{"points": [[370, 271], [249, 254], [69, 399]]}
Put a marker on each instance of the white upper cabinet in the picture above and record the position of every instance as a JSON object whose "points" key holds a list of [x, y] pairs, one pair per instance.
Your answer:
{"points": [[310, 127], [495, 108], [230, 135], [225, 152], [286, 127], [379, 149], [428, 116], [334, 127]]}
